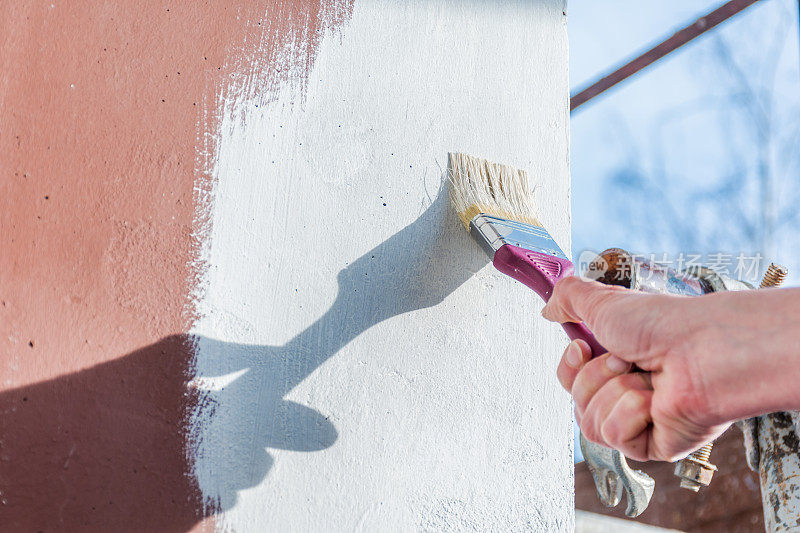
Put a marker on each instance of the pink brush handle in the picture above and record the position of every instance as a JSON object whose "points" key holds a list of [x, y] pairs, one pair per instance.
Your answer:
{"points": [[540, 272]]}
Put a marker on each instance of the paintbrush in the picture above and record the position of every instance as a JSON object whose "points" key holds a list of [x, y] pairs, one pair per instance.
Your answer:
{"points": [[495, 203]]}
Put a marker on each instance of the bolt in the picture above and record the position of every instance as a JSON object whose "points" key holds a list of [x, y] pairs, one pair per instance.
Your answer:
{"points": [[774, 276], [695, 471]]}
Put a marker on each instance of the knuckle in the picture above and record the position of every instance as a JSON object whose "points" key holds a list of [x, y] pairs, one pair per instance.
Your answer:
{"points": [[592, 423], [587, 428], [581, 402], [589, 380], [611, 432], [595, 368], [564, 377], [565, 284], [615, 428], [618, 386], [581, 393], [634, 400], [599, 300]]}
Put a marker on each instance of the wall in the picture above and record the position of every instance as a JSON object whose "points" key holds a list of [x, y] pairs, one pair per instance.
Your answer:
{"points": [[101, 107], [268, 179], [365, 368]]}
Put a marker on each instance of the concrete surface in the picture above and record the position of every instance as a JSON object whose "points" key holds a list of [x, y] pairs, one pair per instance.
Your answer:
{"points": [[365, 368]]}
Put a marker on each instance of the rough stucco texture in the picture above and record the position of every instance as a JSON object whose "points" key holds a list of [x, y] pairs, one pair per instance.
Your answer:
{"points": [[105, 110], [358, 364], [363, 367]]}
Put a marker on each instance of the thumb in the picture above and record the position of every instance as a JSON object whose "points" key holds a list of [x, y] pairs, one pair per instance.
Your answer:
{"points": [[579, 299]]}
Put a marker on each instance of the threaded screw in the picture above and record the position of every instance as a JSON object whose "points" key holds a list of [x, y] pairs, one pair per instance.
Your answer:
{"points": [[704, 453], [774, 276]]}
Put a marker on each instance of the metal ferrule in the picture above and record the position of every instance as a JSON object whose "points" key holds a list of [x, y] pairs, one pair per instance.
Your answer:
{"points": [[493, 232]]}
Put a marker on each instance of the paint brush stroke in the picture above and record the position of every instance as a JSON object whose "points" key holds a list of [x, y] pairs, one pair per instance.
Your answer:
{"points": [[278, 55], [341, 295], [278, 51]]}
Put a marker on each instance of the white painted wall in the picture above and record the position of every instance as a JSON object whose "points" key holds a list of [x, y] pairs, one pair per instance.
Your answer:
{"points": [[367, 369]]}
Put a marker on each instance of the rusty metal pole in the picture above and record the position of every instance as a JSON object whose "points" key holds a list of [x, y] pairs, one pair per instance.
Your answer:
{"points": [[779, 470], [678, 39]]}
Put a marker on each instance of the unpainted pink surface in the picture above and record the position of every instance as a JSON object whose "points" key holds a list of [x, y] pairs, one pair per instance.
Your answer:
{"points": [[104, 108]]}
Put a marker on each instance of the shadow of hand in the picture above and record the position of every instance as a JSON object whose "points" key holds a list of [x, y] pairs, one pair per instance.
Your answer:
{"points": [[414, 269], [90, 450]]}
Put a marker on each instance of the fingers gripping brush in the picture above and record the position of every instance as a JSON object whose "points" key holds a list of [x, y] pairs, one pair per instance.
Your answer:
{"points": [[495, 203]]}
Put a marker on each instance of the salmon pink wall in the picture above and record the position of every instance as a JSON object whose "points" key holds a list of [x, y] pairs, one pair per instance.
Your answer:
{"points": [[106, 111]]}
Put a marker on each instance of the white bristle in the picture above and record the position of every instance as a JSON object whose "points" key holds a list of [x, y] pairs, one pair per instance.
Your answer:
{"points": [[480, 186]]}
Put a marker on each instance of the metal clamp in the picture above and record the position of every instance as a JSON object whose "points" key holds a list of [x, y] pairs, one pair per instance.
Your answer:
{"points": [[611, 474]]}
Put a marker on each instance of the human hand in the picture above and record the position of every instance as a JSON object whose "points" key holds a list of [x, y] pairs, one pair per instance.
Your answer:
{"points": [[660, 411]]}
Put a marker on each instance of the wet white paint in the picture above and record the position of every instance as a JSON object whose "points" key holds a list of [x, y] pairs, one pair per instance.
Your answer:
{"points": [[366, 369]]}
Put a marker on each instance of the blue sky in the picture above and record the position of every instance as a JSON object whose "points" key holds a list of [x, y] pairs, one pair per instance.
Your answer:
{"points": [[668, 161], [672, 160]]}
